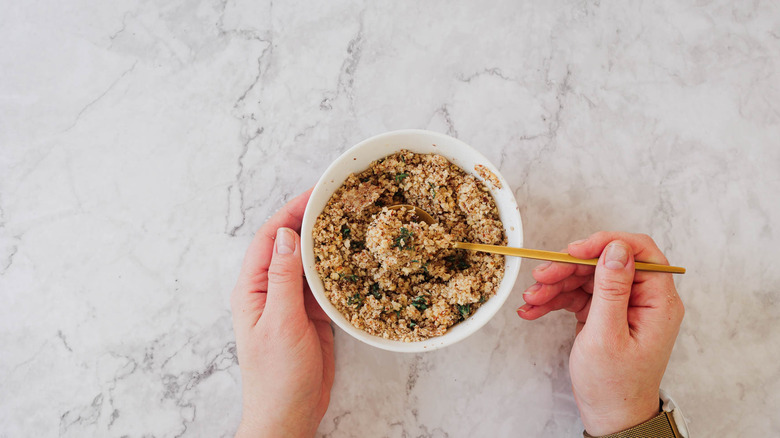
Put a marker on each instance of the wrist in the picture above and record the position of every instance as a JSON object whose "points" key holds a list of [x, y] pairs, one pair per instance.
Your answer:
{"points": [[272, 426], [248, 429], [608, 421]]}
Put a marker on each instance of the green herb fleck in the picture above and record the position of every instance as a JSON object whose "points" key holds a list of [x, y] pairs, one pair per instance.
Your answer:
{"points": [[412, 325], [420, 302], [397, 314], [374, 290], [404, 240], [464, 310], [353, 278], [433, 189], [400, 177], [345, 231], [457, 261], [355, 299]]}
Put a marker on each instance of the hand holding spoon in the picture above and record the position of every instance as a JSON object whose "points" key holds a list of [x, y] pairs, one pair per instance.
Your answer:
{"points": [[534, 253]]}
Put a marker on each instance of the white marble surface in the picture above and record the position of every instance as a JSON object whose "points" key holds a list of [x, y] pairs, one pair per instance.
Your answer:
{"points": [[142, 143]]}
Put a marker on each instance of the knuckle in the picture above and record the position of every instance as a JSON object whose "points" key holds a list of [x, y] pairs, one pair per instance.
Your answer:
{"points": [[646, 239], [649, 249], [614, 289], [680, 310], [282, 273]]}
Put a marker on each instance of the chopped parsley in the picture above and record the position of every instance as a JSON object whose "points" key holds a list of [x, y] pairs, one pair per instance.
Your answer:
{"points": [[374, 290], [464, 310], [345, 231], [457, 261], [420, 302], [433, 190], [412, 325], [355, 299], [404, 239], [352, 277], [400, 177]]}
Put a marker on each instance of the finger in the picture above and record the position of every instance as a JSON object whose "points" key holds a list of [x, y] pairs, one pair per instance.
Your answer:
{"points": [[645, 248], [246, 308], [588, 285], [656, 305], [325, 334], [611, 290], [324, 329], [655, 325], [253, 276], [550, 272], [582, 314], [539, 293], [313, 309], [285, 276], [572, 301]]}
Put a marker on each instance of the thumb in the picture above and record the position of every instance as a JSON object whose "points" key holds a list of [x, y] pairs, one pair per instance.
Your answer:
{"points": [[285, 275], [612, 289]]}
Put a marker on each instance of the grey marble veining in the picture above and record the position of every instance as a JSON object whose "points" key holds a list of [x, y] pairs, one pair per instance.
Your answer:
{"points": [[142, 143]]}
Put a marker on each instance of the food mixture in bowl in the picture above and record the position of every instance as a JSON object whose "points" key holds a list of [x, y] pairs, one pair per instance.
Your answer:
{"points": [[394, 276]]}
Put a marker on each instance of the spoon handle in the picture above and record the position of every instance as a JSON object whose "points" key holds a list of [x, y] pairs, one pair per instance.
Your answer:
{"points": [[558, 257]]}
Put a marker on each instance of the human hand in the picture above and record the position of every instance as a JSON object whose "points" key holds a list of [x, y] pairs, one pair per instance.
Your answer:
{"points": [[284, 339], [627, 323]]}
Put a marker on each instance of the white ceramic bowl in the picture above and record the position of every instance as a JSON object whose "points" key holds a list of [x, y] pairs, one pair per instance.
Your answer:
{"points": [[357, 159]]}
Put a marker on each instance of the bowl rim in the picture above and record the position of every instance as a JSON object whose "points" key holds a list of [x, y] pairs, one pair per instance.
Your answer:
{"points": [[334, 176]]}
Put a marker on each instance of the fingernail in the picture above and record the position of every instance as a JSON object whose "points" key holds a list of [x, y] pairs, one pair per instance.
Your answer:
{"points": [[524, 308], [578, 242], [543, 266], [534, 287], [616, 257], [285, 241]]}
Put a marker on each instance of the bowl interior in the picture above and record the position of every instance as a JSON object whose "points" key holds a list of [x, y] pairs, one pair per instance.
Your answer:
{"points": [[357, 159]]}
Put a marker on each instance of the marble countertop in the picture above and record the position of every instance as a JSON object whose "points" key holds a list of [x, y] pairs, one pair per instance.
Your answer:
{"points": [[142, 143]]}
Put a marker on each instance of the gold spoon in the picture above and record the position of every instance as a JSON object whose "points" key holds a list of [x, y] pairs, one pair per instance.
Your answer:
{"points": [[533, 253]]}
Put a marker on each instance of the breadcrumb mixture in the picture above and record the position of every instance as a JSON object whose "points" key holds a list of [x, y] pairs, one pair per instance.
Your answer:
{"points": [[394, 276], [487, 175]]}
